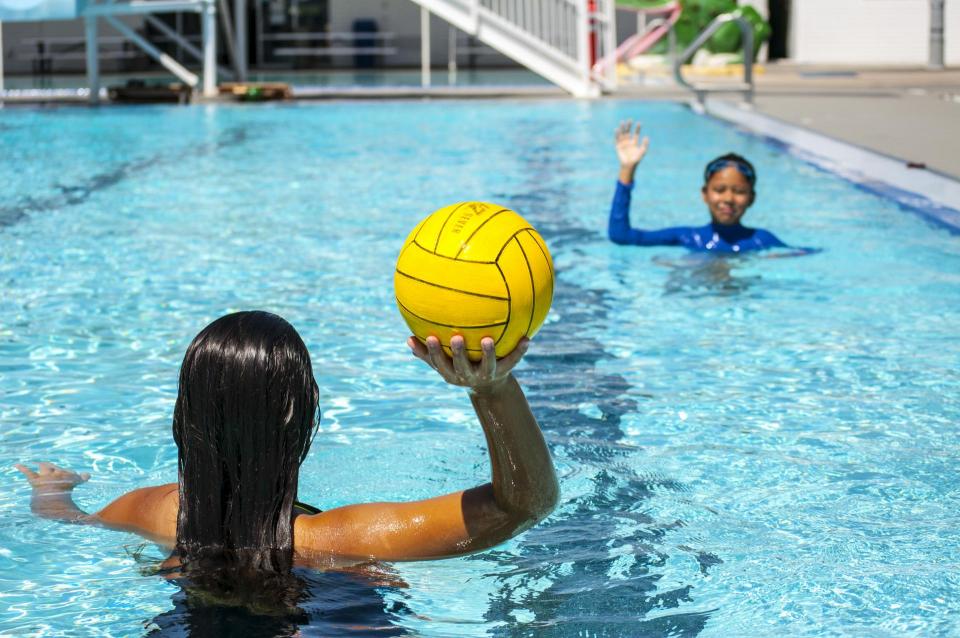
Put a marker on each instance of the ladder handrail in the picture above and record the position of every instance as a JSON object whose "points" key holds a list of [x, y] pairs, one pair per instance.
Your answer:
{"points": [[746, 33]]}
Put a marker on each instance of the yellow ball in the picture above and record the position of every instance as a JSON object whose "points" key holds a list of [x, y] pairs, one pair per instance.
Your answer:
{"points": [[477, 270]]}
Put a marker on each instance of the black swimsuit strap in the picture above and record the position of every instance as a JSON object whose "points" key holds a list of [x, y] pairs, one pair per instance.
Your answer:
{"points": [[305, 509]]}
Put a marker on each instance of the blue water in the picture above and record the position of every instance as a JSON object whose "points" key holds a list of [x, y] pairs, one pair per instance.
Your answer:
{"points": [[747, 446]]}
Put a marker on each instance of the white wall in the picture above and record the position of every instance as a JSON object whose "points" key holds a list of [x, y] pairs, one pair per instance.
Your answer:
{"points": [[951, 33], [893, 32]]}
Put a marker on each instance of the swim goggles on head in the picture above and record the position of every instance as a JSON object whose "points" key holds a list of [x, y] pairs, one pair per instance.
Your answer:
{"points": [[720, 164]]}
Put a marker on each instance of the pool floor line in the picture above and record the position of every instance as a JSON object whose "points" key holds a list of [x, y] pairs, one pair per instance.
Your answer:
{"points": [[933, 195]]}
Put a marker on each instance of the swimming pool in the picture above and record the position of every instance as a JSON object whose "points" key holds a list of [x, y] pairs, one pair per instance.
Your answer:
{"points": [[746, 446]]}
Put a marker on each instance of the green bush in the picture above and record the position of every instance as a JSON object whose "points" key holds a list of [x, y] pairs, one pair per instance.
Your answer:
{"points": [[697, 14], [728, 38]]}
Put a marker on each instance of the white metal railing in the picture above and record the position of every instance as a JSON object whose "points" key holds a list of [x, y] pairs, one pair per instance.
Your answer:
{"points": [[328, 44], [558, 39], [746, 37], [108, 10]]}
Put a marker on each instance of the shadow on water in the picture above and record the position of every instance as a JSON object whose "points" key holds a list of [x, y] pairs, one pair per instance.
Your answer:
{"points": [[599, 552], [322, 603], [716, 275], [706, 275], [73, 194]]}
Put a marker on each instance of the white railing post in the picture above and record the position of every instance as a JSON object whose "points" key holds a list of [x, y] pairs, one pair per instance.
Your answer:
{"points": [[240, 33], [424, 47], [451, 55], [583, 40], [208, 29], [93, 59], [609, 42], [474, 16]]}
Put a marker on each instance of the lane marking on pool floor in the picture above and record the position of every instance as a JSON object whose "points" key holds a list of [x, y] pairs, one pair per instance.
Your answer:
{"points": [[932, 194]]}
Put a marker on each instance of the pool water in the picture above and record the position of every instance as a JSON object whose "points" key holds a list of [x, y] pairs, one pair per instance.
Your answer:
{"points": [[746, 446]]}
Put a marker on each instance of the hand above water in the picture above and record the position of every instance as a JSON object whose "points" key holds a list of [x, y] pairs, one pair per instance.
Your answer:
{"points": [[630, 150], [484, 376], [50, 478]]}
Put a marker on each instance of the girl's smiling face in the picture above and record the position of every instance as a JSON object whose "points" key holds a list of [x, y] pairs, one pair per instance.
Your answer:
{"points": [[728, 195]]}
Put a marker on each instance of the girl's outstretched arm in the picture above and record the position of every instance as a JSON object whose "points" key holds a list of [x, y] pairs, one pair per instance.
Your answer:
{"points": [[148, 511], [522, 491]]}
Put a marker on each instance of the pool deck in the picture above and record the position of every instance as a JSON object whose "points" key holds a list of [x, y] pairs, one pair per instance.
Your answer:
{"points": [[911, 114]]}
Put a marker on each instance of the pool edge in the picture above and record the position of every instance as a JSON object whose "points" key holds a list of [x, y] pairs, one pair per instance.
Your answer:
{"points": [[931, 194]]}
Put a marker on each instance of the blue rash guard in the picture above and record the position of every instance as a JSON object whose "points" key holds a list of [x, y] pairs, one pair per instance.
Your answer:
{"points": [[710, 238]]}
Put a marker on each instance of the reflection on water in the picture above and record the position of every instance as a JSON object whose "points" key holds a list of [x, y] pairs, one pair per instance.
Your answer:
{"points": [[709, 274], [320, 603]]}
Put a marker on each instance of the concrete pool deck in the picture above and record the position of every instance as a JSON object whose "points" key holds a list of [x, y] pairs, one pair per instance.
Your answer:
{"points": [[909, 114]]}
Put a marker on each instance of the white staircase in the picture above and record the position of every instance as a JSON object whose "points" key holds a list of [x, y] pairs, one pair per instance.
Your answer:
{"points": [[558, 39]]}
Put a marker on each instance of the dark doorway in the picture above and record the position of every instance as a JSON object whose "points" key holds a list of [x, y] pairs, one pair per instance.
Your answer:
{"points": [[779, 29]]}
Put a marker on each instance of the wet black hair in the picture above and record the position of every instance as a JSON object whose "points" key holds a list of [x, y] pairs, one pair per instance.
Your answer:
{"points": [[731, 159], [245, 416]]}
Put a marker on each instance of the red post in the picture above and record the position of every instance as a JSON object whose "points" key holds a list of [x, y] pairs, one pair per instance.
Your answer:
{"points": [[592, 30]]}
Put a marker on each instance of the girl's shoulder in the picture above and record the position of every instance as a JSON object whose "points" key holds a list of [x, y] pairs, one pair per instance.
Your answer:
{"points": [[150, 511]]}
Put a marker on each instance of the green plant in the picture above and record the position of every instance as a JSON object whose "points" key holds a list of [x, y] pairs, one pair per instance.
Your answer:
{"points": [[697, 14]]}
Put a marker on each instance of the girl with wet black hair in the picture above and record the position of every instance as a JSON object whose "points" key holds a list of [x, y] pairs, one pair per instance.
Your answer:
{"points": [[729, 189], [245, 416], [243, 422]]}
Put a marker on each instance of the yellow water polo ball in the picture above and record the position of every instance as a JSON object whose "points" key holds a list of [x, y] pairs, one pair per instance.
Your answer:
{"points": [[477, 270]]}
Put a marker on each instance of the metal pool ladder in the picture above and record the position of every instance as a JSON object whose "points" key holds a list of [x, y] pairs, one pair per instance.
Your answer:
{"points": [[701, 90]]}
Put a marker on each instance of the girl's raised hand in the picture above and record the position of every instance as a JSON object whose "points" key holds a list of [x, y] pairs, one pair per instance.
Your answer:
{"points": [[630, 150]]}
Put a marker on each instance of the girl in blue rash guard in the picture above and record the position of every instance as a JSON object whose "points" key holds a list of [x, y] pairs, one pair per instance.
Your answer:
{"points": [[727, 191]]}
